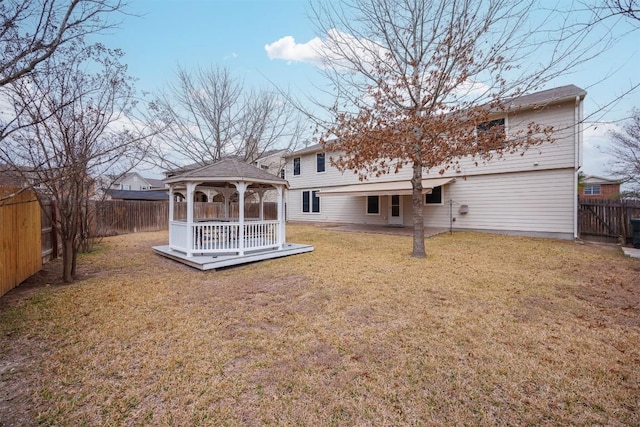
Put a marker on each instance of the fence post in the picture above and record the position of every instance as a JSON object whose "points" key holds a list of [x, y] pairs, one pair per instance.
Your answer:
{"points": [[54, 230]]}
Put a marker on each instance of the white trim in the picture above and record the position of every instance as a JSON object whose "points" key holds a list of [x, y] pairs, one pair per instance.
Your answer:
{"points": [[387, 188], [400, 217]]}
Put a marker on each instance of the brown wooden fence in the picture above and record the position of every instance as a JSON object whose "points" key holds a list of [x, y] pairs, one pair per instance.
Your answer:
{"points": [[51, 241], [20, 237], [120, 217], [607, 220]]}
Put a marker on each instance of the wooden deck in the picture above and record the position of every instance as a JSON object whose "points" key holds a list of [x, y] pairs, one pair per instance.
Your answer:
{"points": [[209, 262]]}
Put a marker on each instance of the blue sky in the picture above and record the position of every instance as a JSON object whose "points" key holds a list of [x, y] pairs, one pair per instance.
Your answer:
{"points": [[235, 34]]}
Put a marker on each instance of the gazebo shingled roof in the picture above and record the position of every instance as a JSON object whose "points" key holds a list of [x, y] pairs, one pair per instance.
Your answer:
{"points": [[228, 170]]}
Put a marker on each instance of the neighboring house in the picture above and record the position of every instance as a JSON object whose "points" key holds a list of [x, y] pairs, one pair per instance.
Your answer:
{"points": [[19, 177], [133, 181], [530, 194], [596, 187], [26, 178], [133, 186], [273, 161]]}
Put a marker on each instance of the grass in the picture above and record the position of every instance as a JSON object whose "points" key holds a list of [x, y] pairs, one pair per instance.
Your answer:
{"points": [[487, 330]]}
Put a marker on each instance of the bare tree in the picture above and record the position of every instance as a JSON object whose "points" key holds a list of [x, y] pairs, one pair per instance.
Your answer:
{"points": [[417, 81], [625, 150], [609, 8], [207, 114], [76, 129], [32, 30]]}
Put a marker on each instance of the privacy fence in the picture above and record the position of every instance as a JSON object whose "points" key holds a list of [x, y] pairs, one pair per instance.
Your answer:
{"points": [[120, 217], [607, 220], [20, 237]]}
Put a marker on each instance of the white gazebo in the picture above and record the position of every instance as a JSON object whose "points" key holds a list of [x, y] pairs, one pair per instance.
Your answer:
{"points": [[226, 239]]}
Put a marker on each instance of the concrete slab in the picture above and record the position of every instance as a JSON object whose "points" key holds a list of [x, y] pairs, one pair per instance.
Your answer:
{"points": [[631, 252], [384, 229], [210, 262]]}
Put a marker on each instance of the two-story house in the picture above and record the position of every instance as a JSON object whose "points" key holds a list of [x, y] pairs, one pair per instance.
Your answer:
{"points": [[596, 187], [531, 194], [133, 186], [133, 181]]}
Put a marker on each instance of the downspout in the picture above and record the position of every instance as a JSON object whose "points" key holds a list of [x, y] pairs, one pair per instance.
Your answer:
{"points": [[577, 156]]}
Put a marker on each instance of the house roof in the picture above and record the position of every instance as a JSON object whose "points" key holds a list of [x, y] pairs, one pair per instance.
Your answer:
{"points": [[307, 150], [158, 183], [227, 170], [137, 195], [401, 188], [546, 97], [593, 179]]}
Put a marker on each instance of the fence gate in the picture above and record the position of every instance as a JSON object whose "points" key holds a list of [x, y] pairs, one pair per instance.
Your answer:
{"points": [[607, 220]]}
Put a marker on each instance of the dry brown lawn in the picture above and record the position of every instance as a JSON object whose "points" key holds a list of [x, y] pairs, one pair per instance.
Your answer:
{"points": [[488, 330]]}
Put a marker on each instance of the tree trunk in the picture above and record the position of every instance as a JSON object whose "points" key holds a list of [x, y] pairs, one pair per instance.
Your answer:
{"points": [[74, 262], [418, 220], [67, 259]]}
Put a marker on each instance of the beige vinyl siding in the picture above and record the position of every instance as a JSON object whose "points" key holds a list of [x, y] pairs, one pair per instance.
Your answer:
{"points": [[526, 194], [331, 177], [344, 209], [559, 154], [537, 201]]}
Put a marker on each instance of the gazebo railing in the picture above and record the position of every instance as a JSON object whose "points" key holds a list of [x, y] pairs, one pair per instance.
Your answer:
{"points": [[216, 237]]}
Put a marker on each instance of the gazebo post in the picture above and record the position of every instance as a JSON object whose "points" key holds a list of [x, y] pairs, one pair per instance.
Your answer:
{"points": [[280, 216], [241, 187], [171, 204], [191, 186]]}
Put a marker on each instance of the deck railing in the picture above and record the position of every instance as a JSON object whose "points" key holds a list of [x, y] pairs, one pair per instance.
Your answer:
{"points": [[218, 237]]}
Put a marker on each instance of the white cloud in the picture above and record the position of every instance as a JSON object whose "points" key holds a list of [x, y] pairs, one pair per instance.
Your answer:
{"points": [[335, 48], [287, 49]]}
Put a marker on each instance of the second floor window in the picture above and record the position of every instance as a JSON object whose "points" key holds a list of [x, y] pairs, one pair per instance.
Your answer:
{"points": [[320, 162], [492, 133], [296, 166]]}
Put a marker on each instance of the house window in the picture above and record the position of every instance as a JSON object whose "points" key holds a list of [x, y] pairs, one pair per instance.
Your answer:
{"points": [[296, 166], [435, 198], [282, 173], [125, 186], [310, 202], [264, 167], [592, 190], [144, 187], [373, 205], [320, 162], [493, 131]]}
